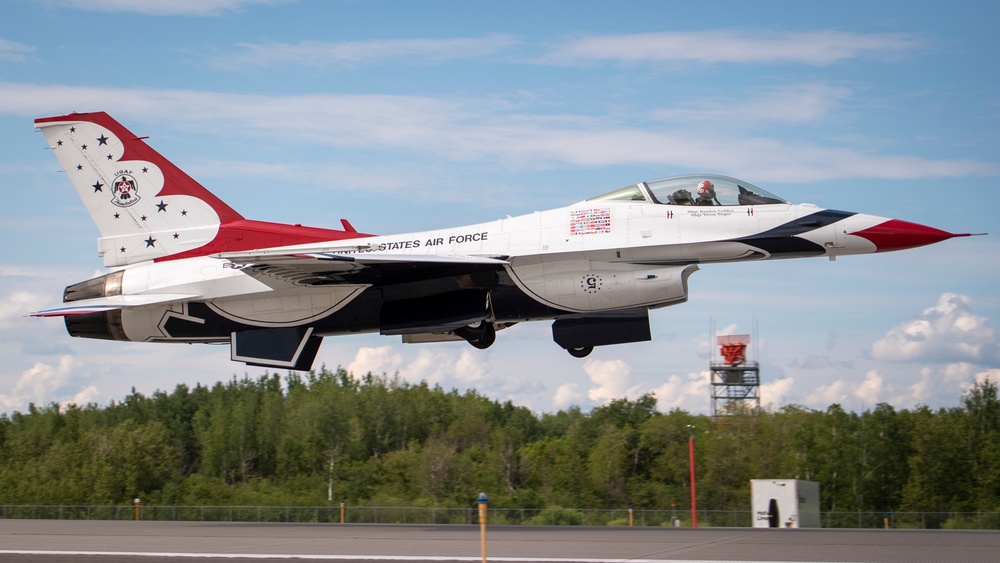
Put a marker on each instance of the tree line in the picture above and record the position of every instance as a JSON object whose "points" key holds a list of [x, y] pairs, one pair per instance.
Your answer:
{"points": [[315, 438]]}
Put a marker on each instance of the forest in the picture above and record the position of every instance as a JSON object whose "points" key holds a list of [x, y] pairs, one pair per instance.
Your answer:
{"points": [[314, 438]]}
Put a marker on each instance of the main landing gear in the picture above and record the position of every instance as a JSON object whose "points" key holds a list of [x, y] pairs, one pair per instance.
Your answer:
{"points": [[581, 352], [481, 335]]}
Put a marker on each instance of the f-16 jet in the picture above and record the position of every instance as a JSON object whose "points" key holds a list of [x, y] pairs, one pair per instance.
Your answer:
{"points": [[186, 267]]}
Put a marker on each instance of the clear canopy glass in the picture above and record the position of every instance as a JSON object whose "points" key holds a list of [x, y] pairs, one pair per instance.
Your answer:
{"points": [[694, 189]]}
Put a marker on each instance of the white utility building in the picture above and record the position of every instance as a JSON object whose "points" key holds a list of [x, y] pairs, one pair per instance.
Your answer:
{"points": [[785, 503]]}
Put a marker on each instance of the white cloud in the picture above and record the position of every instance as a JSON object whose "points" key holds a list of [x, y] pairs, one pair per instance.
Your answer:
{"points": [[566, 396], [947, 332], [374, 360], [871, 389], [816, 48], [164, 7], [350, 53], [19, 303], [958, 372], [463, 129], [436, 366], [44, 383], [611, 380], [922, 390], [796, 103], [936, 386], [689, 393], [826, 395], [470, 367], [12, 51], [776, 392], [990, 374]]}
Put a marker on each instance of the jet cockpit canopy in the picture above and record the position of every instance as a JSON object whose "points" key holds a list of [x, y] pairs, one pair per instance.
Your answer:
{"points": [[694, 189]]}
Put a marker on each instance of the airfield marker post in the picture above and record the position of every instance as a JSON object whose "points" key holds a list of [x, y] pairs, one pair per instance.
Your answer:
{"points": [[694, 509], [483, 503], [137, 503]]}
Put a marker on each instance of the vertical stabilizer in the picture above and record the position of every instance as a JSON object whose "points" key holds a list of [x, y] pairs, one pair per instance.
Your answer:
{"points": [[144, 206]]}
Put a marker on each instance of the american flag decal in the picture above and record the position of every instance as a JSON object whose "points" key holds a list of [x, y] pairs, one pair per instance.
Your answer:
{"points": [[590, 221]]}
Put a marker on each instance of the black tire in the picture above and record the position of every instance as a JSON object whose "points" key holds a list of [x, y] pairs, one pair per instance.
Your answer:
{"points": [[582, 352], [486, 337]]}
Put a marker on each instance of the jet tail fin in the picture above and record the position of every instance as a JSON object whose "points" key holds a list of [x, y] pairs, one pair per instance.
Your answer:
{"points": [[144, 206]]}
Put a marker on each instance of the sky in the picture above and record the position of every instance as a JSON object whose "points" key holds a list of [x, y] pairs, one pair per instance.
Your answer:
{"points": [[405, 116]]}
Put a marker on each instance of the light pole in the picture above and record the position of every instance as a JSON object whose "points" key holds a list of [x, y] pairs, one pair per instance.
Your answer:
{"points": [[694, 505]]}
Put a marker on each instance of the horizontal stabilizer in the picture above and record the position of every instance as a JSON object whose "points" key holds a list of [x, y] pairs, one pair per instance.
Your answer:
{"points": [[101, 304]]}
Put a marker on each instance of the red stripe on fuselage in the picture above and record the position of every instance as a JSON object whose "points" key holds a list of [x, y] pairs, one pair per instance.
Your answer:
{"points": [[246, 234]]}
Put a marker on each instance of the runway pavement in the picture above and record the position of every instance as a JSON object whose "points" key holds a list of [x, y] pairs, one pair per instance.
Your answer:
{"points": [[48, 541]]}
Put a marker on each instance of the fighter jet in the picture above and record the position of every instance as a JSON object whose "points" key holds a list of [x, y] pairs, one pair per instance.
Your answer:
{"points": [[186, 267]]}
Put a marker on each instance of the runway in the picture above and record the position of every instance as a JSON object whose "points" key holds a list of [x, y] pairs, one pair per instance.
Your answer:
{"points": [[48, 541]]}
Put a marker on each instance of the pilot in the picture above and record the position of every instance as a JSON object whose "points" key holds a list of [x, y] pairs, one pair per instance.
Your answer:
{"points": [[706, 194]]}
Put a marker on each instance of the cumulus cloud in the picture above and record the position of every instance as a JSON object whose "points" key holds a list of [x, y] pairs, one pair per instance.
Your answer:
{"points": [[689, 392], [988, 375], [777, 392], [871, 389], [19, 303], [610, 378], [44, 383], [825, 395], [470, 368], [566, 395], [815, 48], [374, 360], [922, 390], [947, 332]]}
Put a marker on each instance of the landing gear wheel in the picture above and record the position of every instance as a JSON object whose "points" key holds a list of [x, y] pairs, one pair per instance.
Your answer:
{"points": [[482, 336], [582, 352], [487, 339]]}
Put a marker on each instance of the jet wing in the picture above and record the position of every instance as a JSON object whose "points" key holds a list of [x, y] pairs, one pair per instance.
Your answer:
{"points": [[319, 268], [101, 304], [351, 261]]}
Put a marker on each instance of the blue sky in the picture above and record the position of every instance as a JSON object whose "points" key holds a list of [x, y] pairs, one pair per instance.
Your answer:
{"points": [[404, 116]]}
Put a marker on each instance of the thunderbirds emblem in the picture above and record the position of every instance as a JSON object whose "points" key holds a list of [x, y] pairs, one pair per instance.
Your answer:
{"points": [[125, 190]]}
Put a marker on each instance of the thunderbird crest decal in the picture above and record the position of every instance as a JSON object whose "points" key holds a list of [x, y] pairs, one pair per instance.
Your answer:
{"points": [[125, 190]]}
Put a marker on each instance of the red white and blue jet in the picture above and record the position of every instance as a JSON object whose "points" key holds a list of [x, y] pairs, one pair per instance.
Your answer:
{"points": [[186, 267]]}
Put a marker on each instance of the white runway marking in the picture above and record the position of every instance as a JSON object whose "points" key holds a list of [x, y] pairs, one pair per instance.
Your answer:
{"points": [[308, 557]]}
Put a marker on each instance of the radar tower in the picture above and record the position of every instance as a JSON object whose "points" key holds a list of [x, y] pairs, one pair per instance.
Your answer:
{"points": [[735, 380]]}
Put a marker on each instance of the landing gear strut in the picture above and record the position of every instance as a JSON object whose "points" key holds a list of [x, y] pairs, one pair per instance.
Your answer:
{"points": [[581, 352]]}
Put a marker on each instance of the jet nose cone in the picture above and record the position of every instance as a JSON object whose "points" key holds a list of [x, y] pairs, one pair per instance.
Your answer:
{"points": [[897, 235]]}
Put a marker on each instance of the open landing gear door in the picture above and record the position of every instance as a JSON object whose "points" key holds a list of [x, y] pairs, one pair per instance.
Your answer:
{"points": [[293, 347]]}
